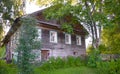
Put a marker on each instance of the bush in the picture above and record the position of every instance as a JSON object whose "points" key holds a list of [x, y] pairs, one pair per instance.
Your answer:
{"points": [[62, 63], [7, 68], [93, 58], [52, 64], [118, 66], [75, 61], [109, 67]]}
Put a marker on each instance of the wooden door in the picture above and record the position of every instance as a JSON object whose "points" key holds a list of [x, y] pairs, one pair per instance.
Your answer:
{"points": [[44, 54]]}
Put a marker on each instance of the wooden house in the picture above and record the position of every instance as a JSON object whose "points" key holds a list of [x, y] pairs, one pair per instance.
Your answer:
{"points": [[55, 42]]}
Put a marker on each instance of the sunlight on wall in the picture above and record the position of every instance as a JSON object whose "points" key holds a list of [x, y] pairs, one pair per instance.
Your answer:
{"points": [[88, 41]]}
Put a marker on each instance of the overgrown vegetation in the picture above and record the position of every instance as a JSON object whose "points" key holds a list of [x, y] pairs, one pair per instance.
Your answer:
{"points": [[70, 65], [7, 68], [27, 43], [59, 63], [109, 67], [94, 15], [94, 58]]}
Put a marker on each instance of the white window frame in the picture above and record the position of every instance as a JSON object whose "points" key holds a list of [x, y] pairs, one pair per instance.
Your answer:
{"points": [[78, 40], [67, 36], [39, 31], [54, 36]]}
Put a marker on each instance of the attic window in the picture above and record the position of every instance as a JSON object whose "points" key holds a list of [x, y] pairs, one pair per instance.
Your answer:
{"points": [[67, 39], [53, 36], [78, 40]]}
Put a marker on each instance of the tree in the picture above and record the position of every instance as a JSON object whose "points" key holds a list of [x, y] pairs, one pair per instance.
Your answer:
{"points": [[27, 42], [88, 13], [9, 10], [111, 33], [111, 39]]}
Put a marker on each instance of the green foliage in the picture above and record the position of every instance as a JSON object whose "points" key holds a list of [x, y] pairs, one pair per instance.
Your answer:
{"points": [[87, 13], [9, 11], [2, 52], [109, 67], [1, 31], [89, 49], [61, 11], [102, 48], [59, 63], [7, 68], [111, 38], [93, 58], [27, 43], [67, 28]]}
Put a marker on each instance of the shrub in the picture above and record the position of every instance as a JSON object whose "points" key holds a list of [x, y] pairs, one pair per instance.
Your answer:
{"points": [[71, 61], [7, 68], [75, 61], [62, 63], [93, 58], [118, 66], [52, 64], [109, 67]]}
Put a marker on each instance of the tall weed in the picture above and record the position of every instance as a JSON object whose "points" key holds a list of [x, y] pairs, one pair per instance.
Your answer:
{"points": [[93, 58], [7, 68], [109, 67], [57, 63]]}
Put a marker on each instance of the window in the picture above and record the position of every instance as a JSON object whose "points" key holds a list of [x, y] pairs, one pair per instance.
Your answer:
{"points": [[78, 40], [39, 33], [53, 36], [67, 39]]}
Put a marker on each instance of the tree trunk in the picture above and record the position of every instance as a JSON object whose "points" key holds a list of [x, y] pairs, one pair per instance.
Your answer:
{"points": [[8, 54], [96, 42]]}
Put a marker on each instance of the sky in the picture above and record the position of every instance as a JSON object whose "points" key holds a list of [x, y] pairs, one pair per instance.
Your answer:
{"points": [[32, 7]]}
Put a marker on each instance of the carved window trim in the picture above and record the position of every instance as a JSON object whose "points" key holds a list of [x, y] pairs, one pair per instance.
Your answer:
{"points": [[67, 39], [53, 37], [78, 40], [39, 31]]}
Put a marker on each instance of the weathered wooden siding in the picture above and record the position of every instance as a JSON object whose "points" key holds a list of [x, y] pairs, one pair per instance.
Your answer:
{"points": [[60, 48]]}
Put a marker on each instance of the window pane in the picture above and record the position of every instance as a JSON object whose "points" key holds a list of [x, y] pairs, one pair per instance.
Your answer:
{"points": [[53, 36], [78, 40], [39, 33], [67, 38]]}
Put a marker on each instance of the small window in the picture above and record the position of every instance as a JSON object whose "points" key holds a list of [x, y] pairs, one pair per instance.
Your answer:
{"points": [[67, 39], [78, 40], [39, 33], [53, 36]]}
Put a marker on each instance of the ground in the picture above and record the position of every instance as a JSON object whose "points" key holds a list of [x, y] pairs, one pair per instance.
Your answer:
{"points": [[72, 70]]}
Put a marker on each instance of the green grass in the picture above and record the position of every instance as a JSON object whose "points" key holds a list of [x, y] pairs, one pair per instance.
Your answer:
{"points": [[73, 70]]}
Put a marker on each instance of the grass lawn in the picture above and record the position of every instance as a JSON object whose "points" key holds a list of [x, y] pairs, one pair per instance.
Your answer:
{"points": [[74, 70]]}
